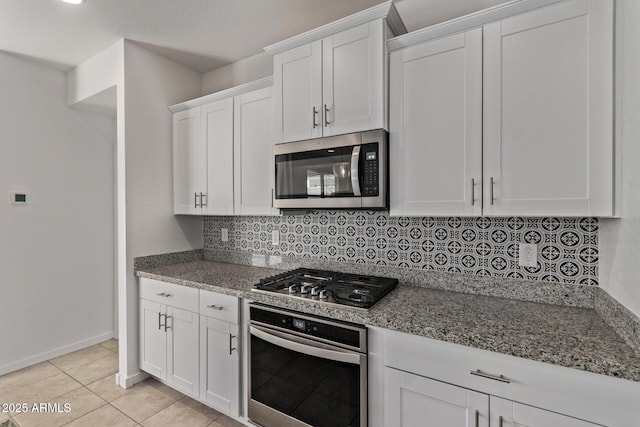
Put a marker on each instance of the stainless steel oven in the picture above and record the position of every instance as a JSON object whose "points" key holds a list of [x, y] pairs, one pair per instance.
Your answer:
{"points": [[306, 370], [339, 172]]}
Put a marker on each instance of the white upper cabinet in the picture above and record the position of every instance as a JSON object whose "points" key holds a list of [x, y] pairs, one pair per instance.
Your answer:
{"points": [[222, 151], [332, 80], [189, 162], [548, 147], [253, 158], [218, 121], [436, 127], [298, 92], [514, 117]]}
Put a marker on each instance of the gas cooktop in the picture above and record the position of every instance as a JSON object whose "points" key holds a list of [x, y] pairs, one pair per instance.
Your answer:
{"points": [[329, 286]]}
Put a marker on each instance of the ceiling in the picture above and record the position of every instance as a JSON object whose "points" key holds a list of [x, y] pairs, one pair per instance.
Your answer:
{"points": [[201, 34]]}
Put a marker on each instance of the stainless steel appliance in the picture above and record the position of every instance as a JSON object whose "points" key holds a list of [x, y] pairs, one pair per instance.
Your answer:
{"points": [[306, 370], [339, 172], [328, 287]]}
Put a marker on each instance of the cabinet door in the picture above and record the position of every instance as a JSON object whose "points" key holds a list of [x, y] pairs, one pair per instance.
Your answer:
{"points": [[218, 122], [297, 84], [219, 364], [415, 401], [153, 339], [436, 127], [189, 162], [182, 349], [548, 146], [353, 80], [253, 153], [506, 413]]}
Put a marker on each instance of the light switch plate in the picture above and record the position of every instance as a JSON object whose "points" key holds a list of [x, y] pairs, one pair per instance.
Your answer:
{"points": [[528, 255], [224, 234], [275, 237]]}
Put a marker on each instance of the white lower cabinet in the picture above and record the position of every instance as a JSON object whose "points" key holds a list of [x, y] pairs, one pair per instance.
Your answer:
{"points": [[421, 382], [219, 364], [415, 401], [220, 351], [189, 338], [169, 345]]}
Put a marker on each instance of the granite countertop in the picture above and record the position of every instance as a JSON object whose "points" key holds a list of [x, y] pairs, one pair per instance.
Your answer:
{"points": [[573, 337]]}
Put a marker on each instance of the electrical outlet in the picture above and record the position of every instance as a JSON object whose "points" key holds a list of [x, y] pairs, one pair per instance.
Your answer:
{"points": [[275, 237], [527, 255], [224, 234]]}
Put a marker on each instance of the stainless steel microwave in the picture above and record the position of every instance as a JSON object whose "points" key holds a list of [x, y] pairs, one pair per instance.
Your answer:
{"points": [[339, 172]]}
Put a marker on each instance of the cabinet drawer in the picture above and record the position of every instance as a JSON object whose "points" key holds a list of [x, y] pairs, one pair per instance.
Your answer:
{"points": [[551, 387], [178, 296], [219, 306]]}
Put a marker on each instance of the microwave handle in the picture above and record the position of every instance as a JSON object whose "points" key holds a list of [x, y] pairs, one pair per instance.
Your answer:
{"points": [[355, 171]]}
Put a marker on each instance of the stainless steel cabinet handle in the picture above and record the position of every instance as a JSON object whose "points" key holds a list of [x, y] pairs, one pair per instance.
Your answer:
{"points": [[500, 420], [326, 115], [473, 191], [500, 378], [216, 307], [195, 200], [162, 294], [315, 115], [231, 347], [160, 324], [477, 418], [272, 197], [202, 198], [491, 189], [166, 322]]}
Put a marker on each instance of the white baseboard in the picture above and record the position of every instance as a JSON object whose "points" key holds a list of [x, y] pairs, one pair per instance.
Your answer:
{"points": [[126, 382], [60, 351]]}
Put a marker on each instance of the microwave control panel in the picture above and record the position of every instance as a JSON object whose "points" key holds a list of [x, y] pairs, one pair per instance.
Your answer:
{"points": [[371, 174]]}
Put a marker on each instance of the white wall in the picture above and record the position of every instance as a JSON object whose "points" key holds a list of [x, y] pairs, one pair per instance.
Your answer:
{"points": [[244, 71], [151, 83], [56, 253], [620, 239], [96, 75]]}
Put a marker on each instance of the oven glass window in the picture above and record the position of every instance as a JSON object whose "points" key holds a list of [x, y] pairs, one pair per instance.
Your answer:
{"points": [[319, 392], [321, 173]]}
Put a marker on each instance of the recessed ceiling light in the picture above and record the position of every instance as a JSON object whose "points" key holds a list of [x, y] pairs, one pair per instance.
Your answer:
{"points": [[73, 1]]}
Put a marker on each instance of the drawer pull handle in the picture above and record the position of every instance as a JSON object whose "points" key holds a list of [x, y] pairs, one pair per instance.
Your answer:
{"points": [[216, 307], [159, 321], [166, 322], [162, 294], [500, 378]]}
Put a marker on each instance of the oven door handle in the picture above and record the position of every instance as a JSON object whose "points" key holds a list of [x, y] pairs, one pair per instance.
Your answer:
{"points": [[290, 343]]}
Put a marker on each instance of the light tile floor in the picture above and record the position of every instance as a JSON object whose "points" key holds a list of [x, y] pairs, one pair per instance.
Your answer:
{"points": [[85, 381]]}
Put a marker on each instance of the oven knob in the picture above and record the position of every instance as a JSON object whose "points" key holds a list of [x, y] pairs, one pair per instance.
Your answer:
{"points": [[315, 291], [293, 289], [323, 294], [304, 289]]}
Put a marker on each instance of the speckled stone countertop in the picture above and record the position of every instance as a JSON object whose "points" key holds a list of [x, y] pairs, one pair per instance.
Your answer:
{"points": [[568, 336]]}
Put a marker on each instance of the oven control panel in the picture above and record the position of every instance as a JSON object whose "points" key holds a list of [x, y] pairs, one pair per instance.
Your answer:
{"points": [[325, 329]]}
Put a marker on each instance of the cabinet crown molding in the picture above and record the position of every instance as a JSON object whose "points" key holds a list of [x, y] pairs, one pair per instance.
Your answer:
{"points": [[383, 10], [223, 94], [467, 22]]}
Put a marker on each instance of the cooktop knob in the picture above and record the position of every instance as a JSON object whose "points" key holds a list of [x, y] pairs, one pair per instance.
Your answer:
{"points": [[304, 289], [293, 289], [315, 291], [323, 294]]}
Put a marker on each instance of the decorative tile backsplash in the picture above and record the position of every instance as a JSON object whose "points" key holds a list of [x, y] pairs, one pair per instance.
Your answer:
{"points": [[567, 247]]}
